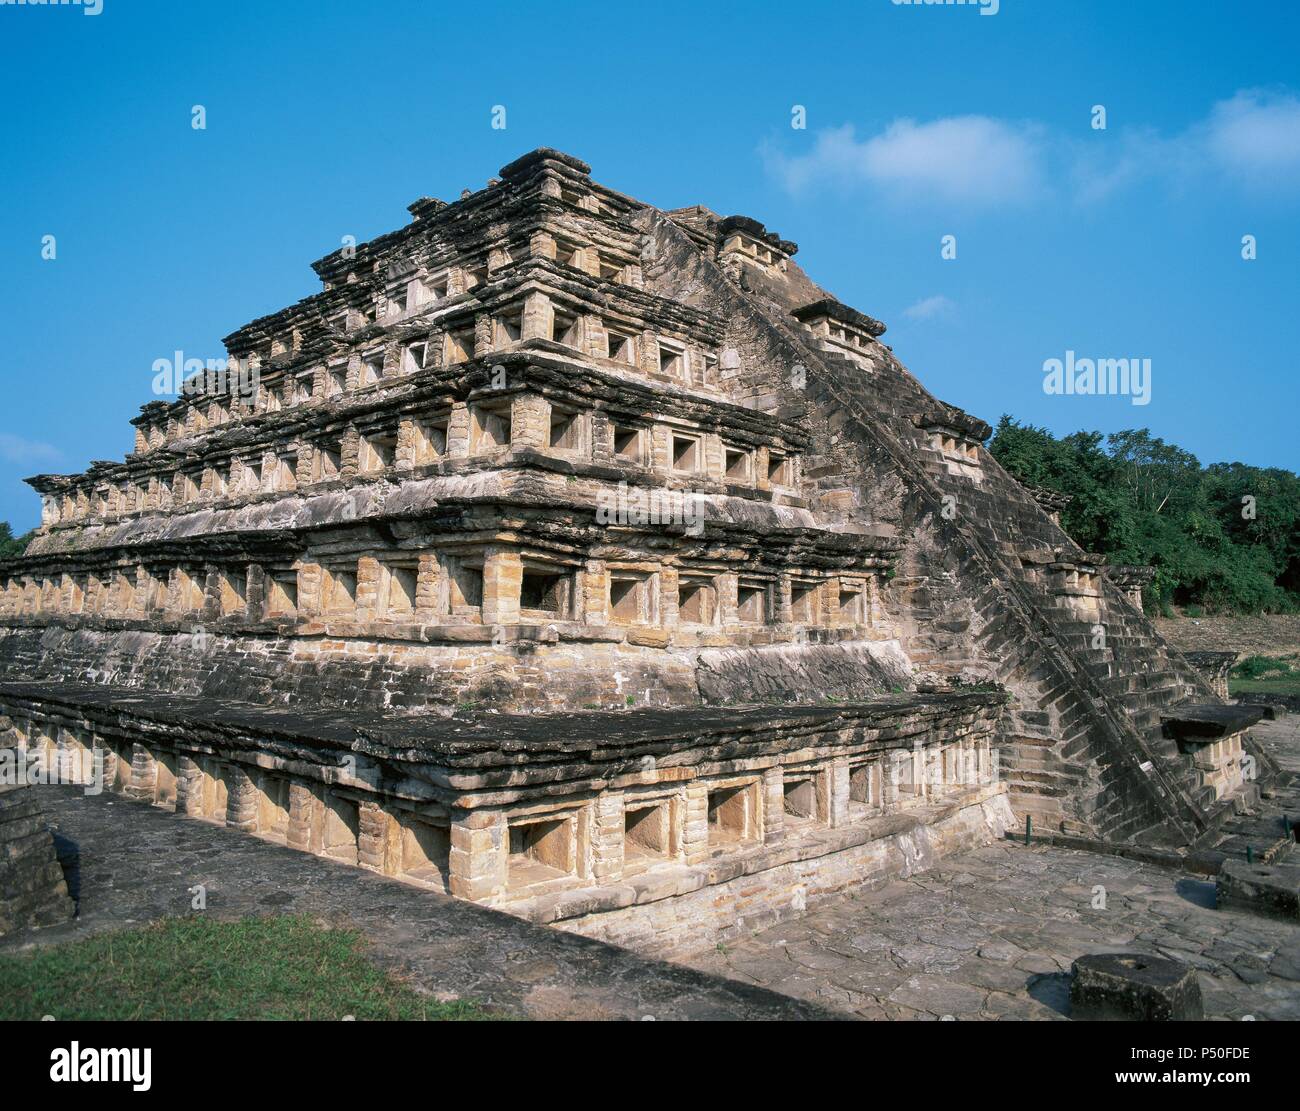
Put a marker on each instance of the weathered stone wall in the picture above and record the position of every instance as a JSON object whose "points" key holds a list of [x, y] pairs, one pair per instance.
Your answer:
{"points": [[336, 672], [414, 677], [736, 907], [33, 890], [801, 673]]}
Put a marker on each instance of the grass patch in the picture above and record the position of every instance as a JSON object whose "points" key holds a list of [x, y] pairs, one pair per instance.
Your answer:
{"points": [[1267, 667], [1265, 686], [282, 967], [1266, 675]]}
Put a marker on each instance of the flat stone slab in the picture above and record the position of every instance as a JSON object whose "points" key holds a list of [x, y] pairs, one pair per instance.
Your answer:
{"points": [[1134, 987], [1208, 722], [1272, 890]]}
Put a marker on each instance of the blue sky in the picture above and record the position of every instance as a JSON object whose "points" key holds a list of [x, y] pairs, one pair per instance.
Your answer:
{"points": [[326, 119]]}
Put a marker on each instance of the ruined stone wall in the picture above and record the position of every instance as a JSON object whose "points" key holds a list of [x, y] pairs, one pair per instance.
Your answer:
{"points": [[33, 890]]}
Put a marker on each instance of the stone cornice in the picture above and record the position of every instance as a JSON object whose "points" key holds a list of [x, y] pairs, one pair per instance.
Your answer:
{"points": [[829, 308]]}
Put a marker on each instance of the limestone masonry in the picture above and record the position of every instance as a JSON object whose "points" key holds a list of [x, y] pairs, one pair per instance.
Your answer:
{"points": [[588, 560]]}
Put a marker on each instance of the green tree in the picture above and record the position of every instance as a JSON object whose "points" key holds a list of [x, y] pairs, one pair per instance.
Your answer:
{"points": [[1225, 536], [11, 545]]}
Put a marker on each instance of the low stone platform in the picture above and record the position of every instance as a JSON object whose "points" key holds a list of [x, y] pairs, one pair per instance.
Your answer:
{"points": [[567, 818], [1265, 833], [1213, 737], [137, 863]]}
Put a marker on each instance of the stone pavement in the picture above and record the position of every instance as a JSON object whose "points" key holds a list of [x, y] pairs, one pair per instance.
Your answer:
{"points": [[135, 863], [1281, 738], [992, 934]]}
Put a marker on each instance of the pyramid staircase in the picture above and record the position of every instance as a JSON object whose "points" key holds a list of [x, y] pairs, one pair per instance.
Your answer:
{"points": [[1132, 681], [1084, 744]]}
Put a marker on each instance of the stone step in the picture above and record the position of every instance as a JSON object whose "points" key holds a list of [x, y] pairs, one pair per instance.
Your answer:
{"points": [[1151, 681]]}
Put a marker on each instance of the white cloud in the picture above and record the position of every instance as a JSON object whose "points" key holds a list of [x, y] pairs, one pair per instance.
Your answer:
{"points": [[1256, 133], [1251, 139], [1102, 167], [974, 159], [14, 449], [929, 307]]}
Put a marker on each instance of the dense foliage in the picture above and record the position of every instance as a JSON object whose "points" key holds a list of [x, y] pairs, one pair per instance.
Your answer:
{"points": [[1224, 537], [11, 545]]}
